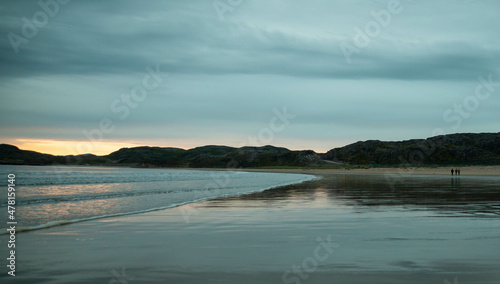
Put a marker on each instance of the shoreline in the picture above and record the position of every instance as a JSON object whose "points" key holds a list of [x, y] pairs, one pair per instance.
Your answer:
{"points": [[465, 171], [218, 177], [493, 170]]}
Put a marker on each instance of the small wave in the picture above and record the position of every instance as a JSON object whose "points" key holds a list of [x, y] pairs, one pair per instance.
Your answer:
{"points": [[91, 197], [49, 178], [73, 198], [51, 224], [73, 221]]}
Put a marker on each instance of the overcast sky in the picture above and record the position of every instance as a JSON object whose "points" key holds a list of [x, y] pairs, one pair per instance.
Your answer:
{"points": [[76, 77]]}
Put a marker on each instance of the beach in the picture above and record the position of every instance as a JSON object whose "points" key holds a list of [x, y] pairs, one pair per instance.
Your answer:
{"points": [[466, 171], [343, 228]]}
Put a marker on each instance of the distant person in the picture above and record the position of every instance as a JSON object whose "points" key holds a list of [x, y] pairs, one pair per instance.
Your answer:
{"points": [[457, 171], [452, 171]]}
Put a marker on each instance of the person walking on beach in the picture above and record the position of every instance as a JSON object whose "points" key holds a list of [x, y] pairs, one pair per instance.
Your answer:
{"points": [[457, 171], [451, 171]]}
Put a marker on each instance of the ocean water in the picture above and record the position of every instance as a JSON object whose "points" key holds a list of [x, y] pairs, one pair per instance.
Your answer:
{"points": [[48, 195]]}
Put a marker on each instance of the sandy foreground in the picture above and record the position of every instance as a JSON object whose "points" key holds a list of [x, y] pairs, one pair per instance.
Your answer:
{"points": [[464, 171]]}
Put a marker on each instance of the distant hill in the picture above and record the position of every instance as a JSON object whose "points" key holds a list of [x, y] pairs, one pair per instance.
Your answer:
{"points": [[201, 157], [454, 149], [215, 157], [12, 155]]}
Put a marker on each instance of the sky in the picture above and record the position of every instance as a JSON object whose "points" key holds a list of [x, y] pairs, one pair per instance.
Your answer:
{"points": [[94, 76]]}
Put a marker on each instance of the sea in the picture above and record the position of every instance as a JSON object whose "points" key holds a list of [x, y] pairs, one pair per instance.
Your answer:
{"points": [[47, 196]]}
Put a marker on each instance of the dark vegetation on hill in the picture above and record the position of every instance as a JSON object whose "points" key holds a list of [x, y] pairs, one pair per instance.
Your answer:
{"points": [[202, 157], [455, 149]]}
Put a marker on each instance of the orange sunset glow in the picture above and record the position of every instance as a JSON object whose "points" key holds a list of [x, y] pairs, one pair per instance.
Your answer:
{"points": [[69, 147]]}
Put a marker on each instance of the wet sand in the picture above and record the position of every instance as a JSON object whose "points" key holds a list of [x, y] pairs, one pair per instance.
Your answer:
{"points": [[340, 229]]}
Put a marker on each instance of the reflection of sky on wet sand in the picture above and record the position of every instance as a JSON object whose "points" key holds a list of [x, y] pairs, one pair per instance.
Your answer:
{"points": [[422, 224], [473, 196]]}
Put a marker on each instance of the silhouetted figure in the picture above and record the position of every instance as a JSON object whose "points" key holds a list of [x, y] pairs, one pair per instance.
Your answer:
{"points": [[452, 171], [457, 171]]}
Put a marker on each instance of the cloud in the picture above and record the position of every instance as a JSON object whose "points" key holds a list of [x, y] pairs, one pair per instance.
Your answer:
{"points": [[227, 76], [90, 37]]}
